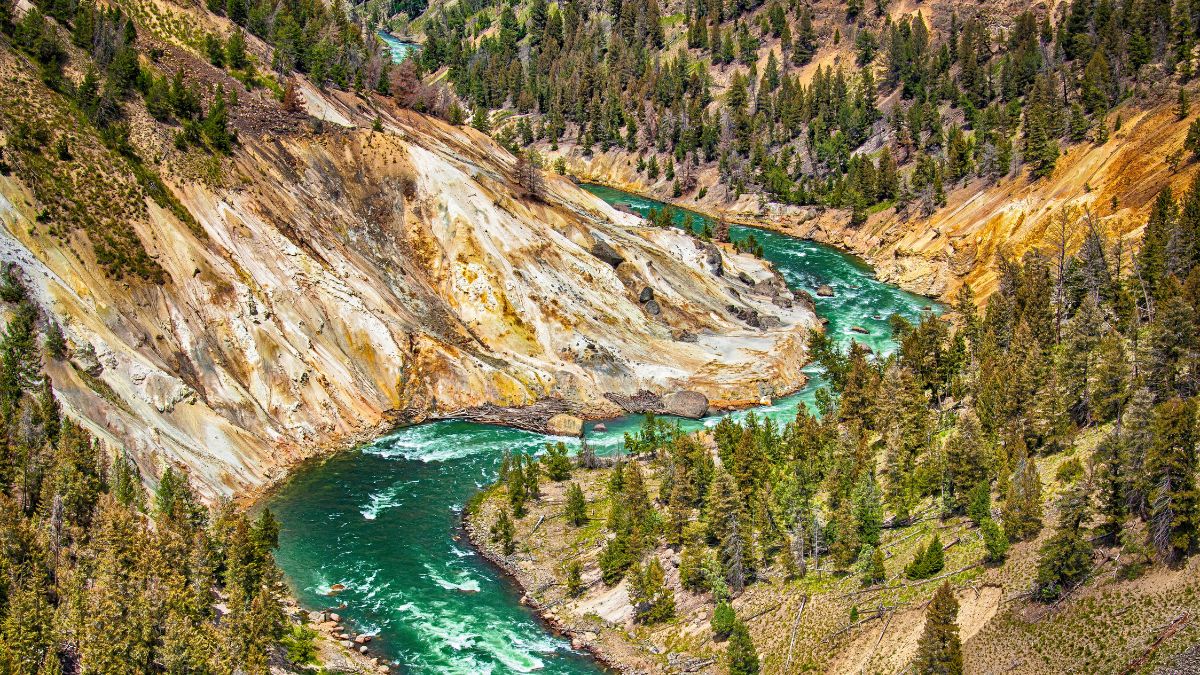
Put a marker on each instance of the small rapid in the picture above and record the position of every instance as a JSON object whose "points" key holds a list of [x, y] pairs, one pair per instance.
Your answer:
{"points": [[383, 520]]}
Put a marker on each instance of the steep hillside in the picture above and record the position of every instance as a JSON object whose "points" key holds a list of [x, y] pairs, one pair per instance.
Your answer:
{"points": [[327, 280], [1115, 183], [832, 622], [924, 136]]}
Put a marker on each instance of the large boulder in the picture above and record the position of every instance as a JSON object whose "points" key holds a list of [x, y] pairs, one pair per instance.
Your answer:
{"points": [[686, 403], [563, 424], [825, 291], [602, 250]]}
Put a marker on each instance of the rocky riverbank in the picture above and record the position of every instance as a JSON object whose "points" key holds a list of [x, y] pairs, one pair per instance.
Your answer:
{"points": [[338, 649], [607, 645]]}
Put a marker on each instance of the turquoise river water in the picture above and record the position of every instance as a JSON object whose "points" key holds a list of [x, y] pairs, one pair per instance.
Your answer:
{"points": [[399, 49], [384, 520]]}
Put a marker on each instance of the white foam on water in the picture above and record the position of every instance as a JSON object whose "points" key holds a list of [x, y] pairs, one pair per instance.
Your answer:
{"points": [[463, 582], [384, 500], [519, 652]]}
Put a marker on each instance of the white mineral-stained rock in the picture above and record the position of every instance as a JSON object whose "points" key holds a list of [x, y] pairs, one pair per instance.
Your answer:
{"points": [[318, 304]]}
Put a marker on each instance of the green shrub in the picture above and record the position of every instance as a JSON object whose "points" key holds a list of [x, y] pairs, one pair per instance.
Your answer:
{"points": [[994, 540], [929, 560], [558, 464], [301, 646], [723, 620], [1069, 471], [574, 578]]}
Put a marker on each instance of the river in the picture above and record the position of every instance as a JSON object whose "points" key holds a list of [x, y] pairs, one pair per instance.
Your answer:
{"points": [[400, 49], [383, 520]]}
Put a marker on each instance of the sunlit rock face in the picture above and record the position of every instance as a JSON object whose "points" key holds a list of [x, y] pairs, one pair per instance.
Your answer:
{"points": [[343, 282]]}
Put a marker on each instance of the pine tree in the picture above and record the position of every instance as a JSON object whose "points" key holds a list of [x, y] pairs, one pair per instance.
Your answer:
{"points": [[994, 540], [1174, 349], [733, 556], [574, 578], [653, 601], [723, 620], [742, 656], [556, 461], [1152, 257], [1067, 555], [939, 651], [1097, 84], [216, 124], [929, 560], [868, 509], [1022, 509], [576, 511], [235, 51], [876, 572], [1041, 148], [503, 532], [1171, 468], [966, 465], [479, 119], [845, 543]]}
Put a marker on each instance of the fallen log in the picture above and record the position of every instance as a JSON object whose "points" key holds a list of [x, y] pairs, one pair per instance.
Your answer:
{"points": [[795, 624], [879, 640], [1165, 634], [761, 612]]}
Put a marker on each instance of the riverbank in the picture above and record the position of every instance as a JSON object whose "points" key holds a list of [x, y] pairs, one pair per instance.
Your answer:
{"points": [[541, 590], [829, 227], [795, 623], [825, 621], [381, 520]]}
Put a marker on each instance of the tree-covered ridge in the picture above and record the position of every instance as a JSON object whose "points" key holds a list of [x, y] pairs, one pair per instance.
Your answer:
{"points": [[721, 87], [81, 74], [1102, 343], [97, 576]]}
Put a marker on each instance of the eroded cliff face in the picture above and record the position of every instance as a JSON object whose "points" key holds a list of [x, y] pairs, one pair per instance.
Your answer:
{"points": [[934, 253], [344, 281], [1114, 183]]}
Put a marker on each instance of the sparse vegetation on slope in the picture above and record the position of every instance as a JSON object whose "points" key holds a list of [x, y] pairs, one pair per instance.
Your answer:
{"points": [[1070, 403]]}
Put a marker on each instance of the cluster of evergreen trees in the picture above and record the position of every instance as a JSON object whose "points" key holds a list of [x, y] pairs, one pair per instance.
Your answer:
{"points": [[96, 576], [972, 103], [114, 71], [952, 424]]}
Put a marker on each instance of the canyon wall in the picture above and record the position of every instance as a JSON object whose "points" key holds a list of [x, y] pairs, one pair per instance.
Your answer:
{"points": [[338, 281]]}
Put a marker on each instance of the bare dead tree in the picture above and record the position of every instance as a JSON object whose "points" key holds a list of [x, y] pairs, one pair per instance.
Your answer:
{"points": [[1060, 234]]}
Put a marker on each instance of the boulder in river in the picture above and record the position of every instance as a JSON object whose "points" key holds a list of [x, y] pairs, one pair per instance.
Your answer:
{"points": [[686, 403], [859, 329], [563, 424], [335, 589], [600, 427], [825, 291]]}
